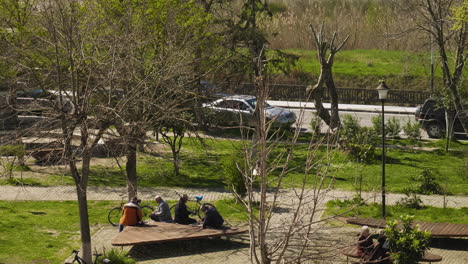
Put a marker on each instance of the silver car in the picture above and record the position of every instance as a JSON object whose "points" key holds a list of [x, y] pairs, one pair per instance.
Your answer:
{"points": [[239, 110]]}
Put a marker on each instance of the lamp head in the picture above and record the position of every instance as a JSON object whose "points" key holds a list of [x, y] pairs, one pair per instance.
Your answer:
{"points": [[383, 90]]}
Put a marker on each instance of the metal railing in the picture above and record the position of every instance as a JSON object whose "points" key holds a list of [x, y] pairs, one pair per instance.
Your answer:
{"points": [[289, 92]]}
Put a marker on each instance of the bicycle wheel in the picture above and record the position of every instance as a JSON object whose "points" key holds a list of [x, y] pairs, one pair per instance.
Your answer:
{"points": [[114, 216], [146, 210], [200, 213]]}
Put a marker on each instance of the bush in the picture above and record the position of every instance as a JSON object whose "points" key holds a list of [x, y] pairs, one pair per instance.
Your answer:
{"points": [[377, 124], [13, 150], [428, 184], [233, 177], [350, 129], [116, 257], [407, 245], [412, 130], [392, 127], [316, 124], [411, 200], [362, 153]]}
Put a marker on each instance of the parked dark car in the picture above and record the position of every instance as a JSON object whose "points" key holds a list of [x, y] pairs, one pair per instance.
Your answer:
{"points": [[431, 117]]}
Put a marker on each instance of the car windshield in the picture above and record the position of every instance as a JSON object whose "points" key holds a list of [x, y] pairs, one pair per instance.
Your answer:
{"points": [[253, 103]]}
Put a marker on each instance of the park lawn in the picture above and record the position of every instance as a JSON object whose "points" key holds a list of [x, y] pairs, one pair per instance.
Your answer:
{"points": [[201, 165], [47, 231], [368, 62], [35, 231], [372, 210]]}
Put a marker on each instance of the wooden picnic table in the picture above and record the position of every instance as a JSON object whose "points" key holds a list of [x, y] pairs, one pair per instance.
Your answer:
{"points": [[157, 232], [436, 229]]}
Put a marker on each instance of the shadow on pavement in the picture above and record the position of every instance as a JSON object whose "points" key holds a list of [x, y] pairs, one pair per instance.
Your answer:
{"points": [[450, 243], [184, 248]]}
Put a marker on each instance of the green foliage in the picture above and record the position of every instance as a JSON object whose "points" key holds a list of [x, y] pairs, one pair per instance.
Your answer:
{"points": [[411, 201], [460, 15], [377, 124], [277, 8], [362, 152], [316, 124], [412, 130], [350, 129], [117, 257], [357, 140], [13, 150], [392, 127], [428, 183], [233, 167], [407, 245]]}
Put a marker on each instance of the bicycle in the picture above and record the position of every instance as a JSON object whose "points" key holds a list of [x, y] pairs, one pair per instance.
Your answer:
{"points": [[193, 206], [115, 213], [77, 259]]}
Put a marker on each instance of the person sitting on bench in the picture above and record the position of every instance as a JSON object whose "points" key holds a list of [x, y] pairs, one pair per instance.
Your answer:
{"points": [[131, 215], [212, 217], [163, 214], [381, 249], [181, 214], [365, 245]]}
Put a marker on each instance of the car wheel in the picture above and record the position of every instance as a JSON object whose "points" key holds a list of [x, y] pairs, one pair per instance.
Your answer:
{"points": [[434, 130]]}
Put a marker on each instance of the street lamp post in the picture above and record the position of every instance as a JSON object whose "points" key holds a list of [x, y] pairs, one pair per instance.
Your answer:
{"points": [[383, 91]]}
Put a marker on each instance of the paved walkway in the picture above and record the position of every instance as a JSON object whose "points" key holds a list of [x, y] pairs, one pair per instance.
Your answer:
{"points": [[236, 250], [20, 193]]}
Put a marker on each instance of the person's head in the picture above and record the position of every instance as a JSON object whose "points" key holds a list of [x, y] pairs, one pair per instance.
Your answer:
{"points": [[135, 200], [158, 199], [184, 198], [204, 208], [365, 231]]}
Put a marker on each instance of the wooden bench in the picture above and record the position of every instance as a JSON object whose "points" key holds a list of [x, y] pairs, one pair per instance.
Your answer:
{"points": [[351, 252], [156, 232]]}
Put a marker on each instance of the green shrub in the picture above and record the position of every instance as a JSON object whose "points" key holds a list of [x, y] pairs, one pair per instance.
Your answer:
{"points": [[407, 245], [350, 129], [362, 152], [316, 124], [377, 124], [393, 127], [412, 130], [13, 150], [428, 184], [117, 257], [411, 200], [233, 177]]}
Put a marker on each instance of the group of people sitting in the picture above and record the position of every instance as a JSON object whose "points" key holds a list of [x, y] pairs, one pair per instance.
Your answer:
{"points": [[368, 251], [132, 214]]}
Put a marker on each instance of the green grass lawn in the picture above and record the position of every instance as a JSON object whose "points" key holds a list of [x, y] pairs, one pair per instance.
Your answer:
{"points": [[202, 166], [47, 231], [427, 214]]}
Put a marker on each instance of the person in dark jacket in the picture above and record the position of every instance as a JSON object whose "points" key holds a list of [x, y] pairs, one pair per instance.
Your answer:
{"points": [[212, 218], [181, 214]]}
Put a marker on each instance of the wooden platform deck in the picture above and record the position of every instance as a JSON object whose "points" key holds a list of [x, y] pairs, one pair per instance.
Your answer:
{"points": [[436, 229], [164, 232]]}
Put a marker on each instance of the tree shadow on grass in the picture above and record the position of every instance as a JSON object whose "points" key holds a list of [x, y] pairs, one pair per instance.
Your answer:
{"points": [[185, 248]]}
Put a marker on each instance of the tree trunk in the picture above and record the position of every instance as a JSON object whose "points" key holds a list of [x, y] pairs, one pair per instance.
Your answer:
{"points": [[175, 160], [335, 118], [84, 224], [131, 171]]}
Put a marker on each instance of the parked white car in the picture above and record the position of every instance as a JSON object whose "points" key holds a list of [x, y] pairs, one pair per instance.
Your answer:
{"points": [[239, 110]]}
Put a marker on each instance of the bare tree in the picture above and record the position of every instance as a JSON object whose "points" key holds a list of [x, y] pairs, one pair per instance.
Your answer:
{"points": [[58, 48], [436, 17], [326, 51]]}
